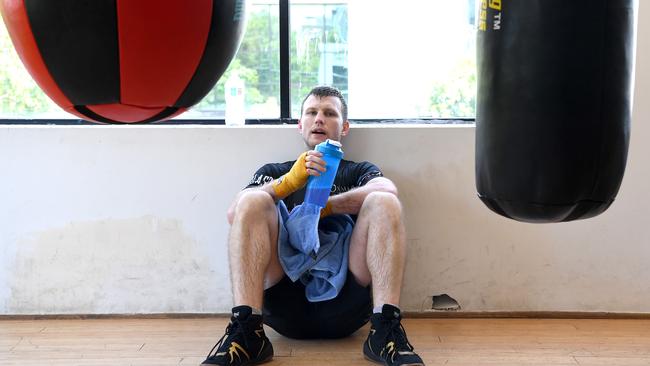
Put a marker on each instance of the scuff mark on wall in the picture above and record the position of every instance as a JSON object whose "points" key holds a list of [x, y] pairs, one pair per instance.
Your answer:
{"points": [[145, 264]]}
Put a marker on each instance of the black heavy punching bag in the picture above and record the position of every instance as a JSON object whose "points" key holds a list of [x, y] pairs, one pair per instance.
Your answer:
{"points": [[554, 105]]}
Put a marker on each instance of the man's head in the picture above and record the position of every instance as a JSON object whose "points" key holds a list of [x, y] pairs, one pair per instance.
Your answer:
{"points": [[324, 115]]}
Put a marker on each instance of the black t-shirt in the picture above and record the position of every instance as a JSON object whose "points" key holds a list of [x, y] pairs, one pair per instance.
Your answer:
{"points": [[348, 176]]}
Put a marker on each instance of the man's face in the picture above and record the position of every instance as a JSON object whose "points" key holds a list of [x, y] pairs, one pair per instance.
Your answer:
{"points": [[321, 120]]}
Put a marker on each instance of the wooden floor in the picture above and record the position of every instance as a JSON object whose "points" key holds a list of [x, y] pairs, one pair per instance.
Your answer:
{"points": [[439, 342]]}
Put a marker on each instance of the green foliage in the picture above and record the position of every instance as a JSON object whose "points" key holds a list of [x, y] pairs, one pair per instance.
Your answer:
{"points": [[304, 69], [257, 63], [260, 50], [19, 94], [215, 100], [455, 96]]}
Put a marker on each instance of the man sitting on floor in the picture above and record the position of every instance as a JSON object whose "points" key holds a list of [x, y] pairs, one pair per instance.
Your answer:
{"points": [[376, 254]]}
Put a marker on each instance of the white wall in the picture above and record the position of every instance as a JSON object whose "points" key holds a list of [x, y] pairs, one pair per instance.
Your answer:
{"points": [[131, 219]]}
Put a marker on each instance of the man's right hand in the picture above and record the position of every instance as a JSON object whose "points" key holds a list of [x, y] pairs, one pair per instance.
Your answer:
{"points": [[308, 163]]}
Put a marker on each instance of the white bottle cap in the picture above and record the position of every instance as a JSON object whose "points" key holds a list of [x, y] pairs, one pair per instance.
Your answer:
{"points": [[334, 142]]}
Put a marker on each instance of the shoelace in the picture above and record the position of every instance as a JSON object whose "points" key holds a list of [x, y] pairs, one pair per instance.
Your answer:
{"points": [[398, 335], [230, 329]]}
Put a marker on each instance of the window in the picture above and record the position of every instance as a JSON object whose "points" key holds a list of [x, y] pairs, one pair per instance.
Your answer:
{"points": [[392, 60], [257, 64], [408, 59], [319, 48]]}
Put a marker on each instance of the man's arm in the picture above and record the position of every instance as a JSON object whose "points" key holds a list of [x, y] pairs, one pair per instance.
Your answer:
{"points": [[350, 202], [308, 163]]}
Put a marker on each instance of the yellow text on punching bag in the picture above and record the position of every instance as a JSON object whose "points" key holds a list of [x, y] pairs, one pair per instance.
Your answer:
{"points": [[492, 4]]}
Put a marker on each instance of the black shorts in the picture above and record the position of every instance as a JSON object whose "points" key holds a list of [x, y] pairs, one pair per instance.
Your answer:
{"points": [[287, 310]]}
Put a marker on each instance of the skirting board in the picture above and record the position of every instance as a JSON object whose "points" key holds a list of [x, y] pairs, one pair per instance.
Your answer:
{"points": [[427, 314]]}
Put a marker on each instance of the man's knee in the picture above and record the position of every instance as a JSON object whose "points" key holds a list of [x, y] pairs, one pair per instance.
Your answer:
{"points": [[383, 204], [254, 204]]}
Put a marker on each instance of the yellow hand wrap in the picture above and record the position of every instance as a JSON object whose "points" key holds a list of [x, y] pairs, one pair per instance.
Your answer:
{"points": [[327, 210], [295, 179]]}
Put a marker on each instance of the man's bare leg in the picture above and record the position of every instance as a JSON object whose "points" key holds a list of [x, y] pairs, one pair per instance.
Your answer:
{"points": [[253, 258], [379, 242], [253, 252], [378, 247]]}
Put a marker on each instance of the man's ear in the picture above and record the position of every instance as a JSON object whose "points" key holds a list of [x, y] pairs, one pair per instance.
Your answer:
{"points": [[346, 128], [300, 126]]}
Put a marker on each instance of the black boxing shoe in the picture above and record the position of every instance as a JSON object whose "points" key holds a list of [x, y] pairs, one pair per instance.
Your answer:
{"points": [[244, 342], [387, 343]]}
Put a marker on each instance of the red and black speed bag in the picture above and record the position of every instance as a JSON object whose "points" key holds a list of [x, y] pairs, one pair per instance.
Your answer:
{"points": [[554, 106], [125, 61]]}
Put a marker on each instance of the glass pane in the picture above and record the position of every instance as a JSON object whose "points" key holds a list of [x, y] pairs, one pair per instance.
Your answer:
{"points": [[319, 48], [407, 59], [257, 64], [20, 97]]}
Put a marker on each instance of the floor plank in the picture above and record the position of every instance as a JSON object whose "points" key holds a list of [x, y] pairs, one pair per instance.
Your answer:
{"points": [[461, 342]]}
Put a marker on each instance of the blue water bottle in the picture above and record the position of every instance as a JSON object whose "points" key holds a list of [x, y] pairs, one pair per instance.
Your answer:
{"points": [[319, 187]]}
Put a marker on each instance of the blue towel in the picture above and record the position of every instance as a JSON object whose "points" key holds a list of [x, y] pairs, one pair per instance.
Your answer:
{"points": [[314, 251]]}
